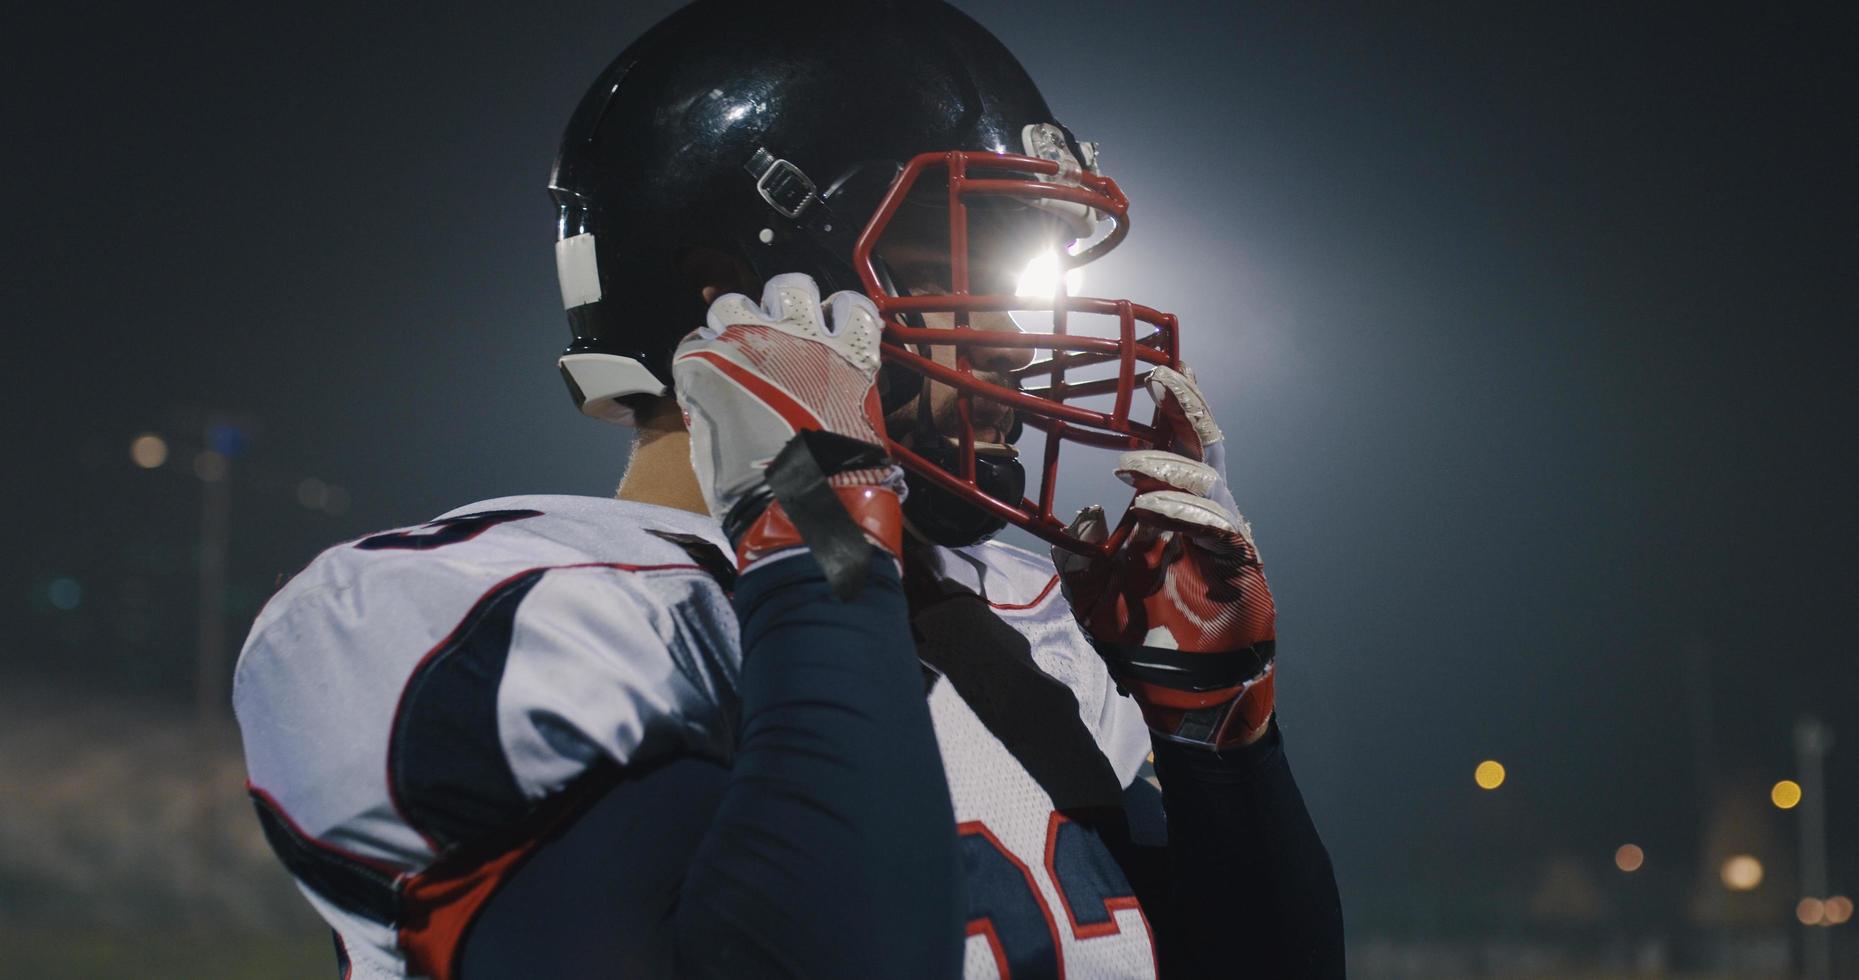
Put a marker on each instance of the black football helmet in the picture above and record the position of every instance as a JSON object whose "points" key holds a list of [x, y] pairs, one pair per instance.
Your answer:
{"points": [[738, 140]]}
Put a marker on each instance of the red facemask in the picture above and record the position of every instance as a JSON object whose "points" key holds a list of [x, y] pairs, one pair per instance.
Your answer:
{"points": [[1041, 396]]}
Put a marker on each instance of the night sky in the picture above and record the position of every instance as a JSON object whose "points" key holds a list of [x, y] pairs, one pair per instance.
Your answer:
{"points": [[1533, 331]]}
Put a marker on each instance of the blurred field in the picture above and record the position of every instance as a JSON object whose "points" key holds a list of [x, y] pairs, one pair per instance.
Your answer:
{"points": [[128, 849], [54, 954]]}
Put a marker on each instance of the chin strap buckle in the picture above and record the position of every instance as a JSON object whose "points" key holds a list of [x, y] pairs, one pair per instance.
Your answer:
{"points": [[783, 185]]}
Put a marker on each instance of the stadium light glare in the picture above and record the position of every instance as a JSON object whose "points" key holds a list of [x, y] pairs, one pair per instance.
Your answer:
{"points": [[1839, 910], [148, 451], [1811, 911], [1040, 278], [1741, 873]]}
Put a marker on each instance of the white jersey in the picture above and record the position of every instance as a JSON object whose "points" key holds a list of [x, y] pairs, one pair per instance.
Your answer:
{"points": [[418, 691]]}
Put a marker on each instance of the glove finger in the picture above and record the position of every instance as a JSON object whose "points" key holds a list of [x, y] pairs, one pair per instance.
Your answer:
{"points": [[1185, 410], [1204, 521], [1189, 513], [853, 325], [1153, 469], [1190, 412], [728, 310], [792, 299]]}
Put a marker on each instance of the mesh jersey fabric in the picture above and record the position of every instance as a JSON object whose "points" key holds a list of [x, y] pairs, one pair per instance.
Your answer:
{"points": [[617, 651]]}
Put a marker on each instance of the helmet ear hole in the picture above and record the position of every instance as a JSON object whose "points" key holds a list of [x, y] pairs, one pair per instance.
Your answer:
{"points": [[708, 268]]}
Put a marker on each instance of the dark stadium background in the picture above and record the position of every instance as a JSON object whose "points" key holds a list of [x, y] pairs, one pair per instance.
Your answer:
{"points": [[1533, 328]]}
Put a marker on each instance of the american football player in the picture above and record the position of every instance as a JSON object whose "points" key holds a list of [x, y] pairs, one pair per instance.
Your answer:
{"points": [[783, 707]]}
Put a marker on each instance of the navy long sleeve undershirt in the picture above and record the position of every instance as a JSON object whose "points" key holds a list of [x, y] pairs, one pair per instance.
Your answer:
{"points": [[833, 852], [825, 849], [1249, 889]]}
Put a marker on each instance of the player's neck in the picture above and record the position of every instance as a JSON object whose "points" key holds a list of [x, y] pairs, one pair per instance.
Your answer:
{"points": [[659, 471]]}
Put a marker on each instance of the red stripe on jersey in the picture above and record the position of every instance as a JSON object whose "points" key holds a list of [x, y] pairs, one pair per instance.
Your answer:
{"points": [[440, 905], [792, 412]]}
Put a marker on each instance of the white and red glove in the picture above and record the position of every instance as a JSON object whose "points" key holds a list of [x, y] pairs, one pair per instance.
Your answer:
{"points": [[1180, 612], [751, 382]]}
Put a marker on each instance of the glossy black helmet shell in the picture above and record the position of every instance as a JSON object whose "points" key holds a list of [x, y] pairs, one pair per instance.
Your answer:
{"points": [[656, 182]]}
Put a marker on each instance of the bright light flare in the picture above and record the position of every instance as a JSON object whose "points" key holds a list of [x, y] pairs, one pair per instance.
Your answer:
{"points": [[1741, 873], [1785, 794], [1629, 858], [1040, 278], [1489, 774], [1811, 911]]}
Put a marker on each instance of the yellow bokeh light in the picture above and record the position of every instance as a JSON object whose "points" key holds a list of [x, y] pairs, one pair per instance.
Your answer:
{"points": [[1489, 774], [1742, 873], [1810, 911], [1839, 909], [148, 451], [1629, 857], [1785, 794]]}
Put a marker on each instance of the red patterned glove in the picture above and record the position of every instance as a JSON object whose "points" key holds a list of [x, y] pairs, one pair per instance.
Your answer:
{"points": [[1181, 612]]}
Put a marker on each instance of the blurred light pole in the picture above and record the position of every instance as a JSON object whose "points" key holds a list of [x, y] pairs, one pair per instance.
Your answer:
{"points": [[224, 440], [1811, 742]]}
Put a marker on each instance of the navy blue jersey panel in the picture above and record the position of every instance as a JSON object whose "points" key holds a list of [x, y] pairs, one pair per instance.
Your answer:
{"points": [[1087, 875], [598, 898], [448, 770], [1003, 908], [345, 882]]}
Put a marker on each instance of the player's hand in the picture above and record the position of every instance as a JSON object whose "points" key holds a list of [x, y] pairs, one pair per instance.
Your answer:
{"points": [[752, 378], [1181, 612]]}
